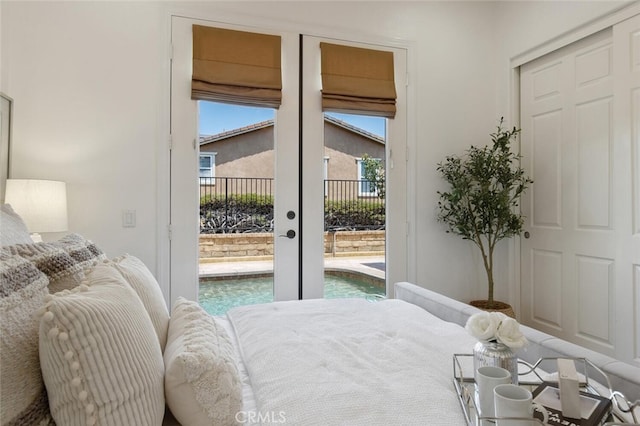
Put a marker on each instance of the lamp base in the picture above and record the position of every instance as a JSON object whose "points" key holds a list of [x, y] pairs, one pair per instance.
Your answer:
{"points": [[37, 238]]}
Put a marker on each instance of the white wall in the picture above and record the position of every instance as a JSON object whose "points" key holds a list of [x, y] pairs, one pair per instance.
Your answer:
{"points": [[85, 78], [90, 84]]}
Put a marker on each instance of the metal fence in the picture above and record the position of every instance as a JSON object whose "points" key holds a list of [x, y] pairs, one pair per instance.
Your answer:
{"points": [[231, 205]]}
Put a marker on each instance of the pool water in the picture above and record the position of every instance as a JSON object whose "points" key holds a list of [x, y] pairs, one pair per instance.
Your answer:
{"points": [[219, 295]]}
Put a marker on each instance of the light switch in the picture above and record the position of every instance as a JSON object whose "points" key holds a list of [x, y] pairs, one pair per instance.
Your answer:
{"points": [[128, 218]]}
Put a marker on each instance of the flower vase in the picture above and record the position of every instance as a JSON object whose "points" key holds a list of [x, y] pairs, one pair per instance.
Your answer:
{"points": [[498, 355]]}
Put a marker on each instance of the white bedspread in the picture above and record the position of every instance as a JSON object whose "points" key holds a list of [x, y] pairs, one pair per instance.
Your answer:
{"points": [[350, 362]]}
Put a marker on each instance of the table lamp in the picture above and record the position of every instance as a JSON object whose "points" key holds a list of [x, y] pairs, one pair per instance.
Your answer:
{"points": [[42, 204]]}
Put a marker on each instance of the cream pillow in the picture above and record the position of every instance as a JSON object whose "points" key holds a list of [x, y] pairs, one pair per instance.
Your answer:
{"points": [[99, 354], [145, 285], [12, 228], [202, 383], [23, 289]]}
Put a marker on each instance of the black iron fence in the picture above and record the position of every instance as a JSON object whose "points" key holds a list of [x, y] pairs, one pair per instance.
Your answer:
{"points": [[232, 205]]}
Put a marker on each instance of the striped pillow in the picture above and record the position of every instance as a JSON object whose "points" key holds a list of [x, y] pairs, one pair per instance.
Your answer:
{"points": [[100, 357], [23, 288], [84, 252], [62, 261], [61, 269]]}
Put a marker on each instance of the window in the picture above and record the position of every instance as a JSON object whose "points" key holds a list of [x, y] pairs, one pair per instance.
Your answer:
{"points": [[208, 165], [366, 188]]}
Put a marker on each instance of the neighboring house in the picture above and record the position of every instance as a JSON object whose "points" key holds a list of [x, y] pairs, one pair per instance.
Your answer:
{"points": [[248, 152]]}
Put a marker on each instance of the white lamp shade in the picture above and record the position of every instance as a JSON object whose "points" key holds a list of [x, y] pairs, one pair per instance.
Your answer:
{"points": [[42, 204]]}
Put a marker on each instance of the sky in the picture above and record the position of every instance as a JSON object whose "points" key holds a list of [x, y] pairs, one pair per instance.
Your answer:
{"points": [[217, 117]]}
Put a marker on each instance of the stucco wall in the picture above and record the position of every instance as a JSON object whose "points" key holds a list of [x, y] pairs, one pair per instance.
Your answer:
{"points": [[246, 155], [251, 154], [343, 147]]}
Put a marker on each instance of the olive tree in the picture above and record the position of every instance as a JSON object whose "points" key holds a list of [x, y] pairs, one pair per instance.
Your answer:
{"points": [[482, 203]]}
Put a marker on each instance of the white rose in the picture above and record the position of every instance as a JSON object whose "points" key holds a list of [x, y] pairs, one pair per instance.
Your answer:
{"points": [[482, 325], [508, 333]]}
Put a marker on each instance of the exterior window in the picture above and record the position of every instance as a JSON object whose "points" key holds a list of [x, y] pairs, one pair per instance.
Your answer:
{"points": [[365, 188], [208, 165]]}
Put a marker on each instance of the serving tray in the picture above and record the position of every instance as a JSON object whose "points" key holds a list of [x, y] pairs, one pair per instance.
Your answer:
{"points": [[530, 376]]}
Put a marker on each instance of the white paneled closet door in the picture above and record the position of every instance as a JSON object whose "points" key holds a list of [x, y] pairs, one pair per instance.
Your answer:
{"points": [[579, 116], [626, 38]]}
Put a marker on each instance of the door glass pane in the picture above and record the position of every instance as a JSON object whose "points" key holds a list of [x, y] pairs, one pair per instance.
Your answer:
{"points": [[236, 205], [354, 203]]}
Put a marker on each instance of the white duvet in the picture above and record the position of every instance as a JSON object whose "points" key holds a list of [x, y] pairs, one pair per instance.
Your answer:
{"points": [[350, 362]]}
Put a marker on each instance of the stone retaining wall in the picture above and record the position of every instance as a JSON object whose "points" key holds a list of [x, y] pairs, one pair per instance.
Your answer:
{"points": [[221, 247]]}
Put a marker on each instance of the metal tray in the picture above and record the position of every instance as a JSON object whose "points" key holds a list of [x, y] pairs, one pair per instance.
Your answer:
{"points": [[530, 376]]}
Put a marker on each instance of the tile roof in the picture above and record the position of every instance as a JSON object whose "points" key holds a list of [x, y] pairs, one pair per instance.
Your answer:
{"points": [[235, 132], [267, 123], [353, 128]]}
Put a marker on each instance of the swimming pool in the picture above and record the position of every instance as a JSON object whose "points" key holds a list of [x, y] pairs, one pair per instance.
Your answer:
{"points": [[217, 295]]}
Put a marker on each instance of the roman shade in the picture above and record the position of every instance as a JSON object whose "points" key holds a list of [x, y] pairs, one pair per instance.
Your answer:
{"points": [[357, 80], [236, 67]]}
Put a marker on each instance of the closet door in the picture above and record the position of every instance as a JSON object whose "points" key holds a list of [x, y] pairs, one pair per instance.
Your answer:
{"points": [[577, 119], [626, 54]]}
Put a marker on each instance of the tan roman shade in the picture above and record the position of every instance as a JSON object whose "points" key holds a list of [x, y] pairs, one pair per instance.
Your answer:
{"points": [[236, 66], [357, 80]]}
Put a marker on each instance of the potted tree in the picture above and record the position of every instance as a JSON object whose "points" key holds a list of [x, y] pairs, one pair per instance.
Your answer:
{"points": [[482, 203]]}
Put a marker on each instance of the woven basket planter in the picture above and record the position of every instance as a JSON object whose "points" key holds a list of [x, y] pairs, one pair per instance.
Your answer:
{"points": [[495, 306]]}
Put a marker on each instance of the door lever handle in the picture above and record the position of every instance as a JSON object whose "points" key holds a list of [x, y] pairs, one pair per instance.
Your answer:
{"points": [[291, 234]]}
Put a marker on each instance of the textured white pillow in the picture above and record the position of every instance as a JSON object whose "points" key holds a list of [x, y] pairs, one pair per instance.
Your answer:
{"points": [[202, 383], [23, 288], [12, 228], [99, 354], [144, 283]]}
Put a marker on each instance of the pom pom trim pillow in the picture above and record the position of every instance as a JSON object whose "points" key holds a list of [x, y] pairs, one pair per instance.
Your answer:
{"points": [[202, 383], [99, 354]]}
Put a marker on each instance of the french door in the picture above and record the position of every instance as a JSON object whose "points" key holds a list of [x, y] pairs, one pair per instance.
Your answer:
{"points": [[298, 169], [313, 145]]}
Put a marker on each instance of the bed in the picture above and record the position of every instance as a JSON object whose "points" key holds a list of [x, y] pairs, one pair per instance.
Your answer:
{"points": [[349, 361], [357, 362]]}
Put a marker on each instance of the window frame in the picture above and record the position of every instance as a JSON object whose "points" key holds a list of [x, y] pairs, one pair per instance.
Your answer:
{"points": [[212, 168], [362, 181]]}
